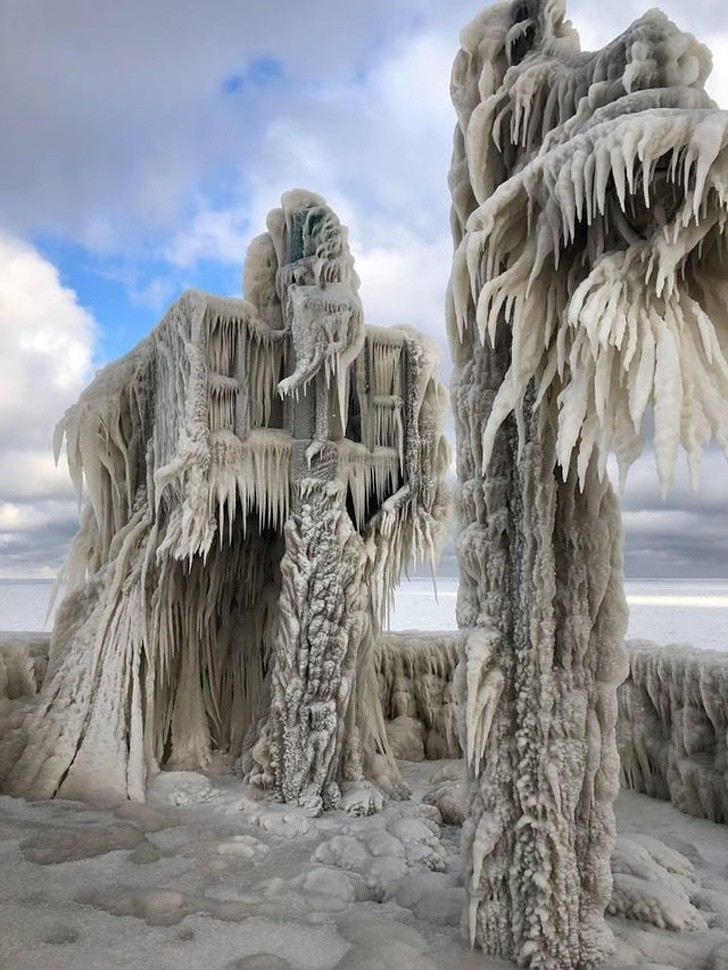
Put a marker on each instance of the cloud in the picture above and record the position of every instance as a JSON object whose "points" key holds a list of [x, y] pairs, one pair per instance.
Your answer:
{"points": [[685, 534], [112, 123], [378, 148], [403, 282], [46, 344], [156, 136]]}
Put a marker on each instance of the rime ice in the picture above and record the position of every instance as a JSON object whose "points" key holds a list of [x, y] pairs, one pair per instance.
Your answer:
{"points": [[257, 473], [589, 285]]}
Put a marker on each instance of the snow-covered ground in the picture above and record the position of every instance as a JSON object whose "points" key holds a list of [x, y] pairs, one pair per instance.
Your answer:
{"points": [[207, 876]]}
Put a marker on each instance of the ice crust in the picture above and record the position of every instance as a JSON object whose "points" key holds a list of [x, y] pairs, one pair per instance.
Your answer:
{"points": [[417, 693], [208, 873], [673, 727], [588, 286], [667, 907], [671, 730], [254, 475]]}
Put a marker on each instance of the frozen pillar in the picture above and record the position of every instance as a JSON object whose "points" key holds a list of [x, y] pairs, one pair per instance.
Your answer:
{"points": [[323, 616], [589, 223], [323, 730]]}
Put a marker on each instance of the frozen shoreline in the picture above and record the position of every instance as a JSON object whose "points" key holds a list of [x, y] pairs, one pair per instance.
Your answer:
{"points": [[208, 874], [205, 875], [665, 611]]}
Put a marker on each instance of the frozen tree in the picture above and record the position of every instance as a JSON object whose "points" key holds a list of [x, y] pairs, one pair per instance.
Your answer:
{"points": [[258, 472], [589, 286]]}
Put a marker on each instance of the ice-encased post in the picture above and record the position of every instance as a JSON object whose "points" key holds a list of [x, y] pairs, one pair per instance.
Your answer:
{"points": [[588, 284], [365, 419], [324, 619]]}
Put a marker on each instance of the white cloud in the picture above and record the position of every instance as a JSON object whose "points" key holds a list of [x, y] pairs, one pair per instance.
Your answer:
{"points": [[404, 283], [378, 149], [213, 234], [117, 135], [46, 342], [718, 81]]}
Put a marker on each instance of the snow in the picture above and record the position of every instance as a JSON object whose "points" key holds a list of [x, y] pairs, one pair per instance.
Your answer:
{"points": [[209, 875]]}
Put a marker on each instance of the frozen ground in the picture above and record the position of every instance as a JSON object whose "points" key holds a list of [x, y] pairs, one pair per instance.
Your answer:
{"points": [[206, 876], [684, 611]]}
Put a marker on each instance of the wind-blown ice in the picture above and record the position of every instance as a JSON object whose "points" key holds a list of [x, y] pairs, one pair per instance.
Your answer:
{"points": [[673, 727], [588, 286], [604, 252], [258, 472]]}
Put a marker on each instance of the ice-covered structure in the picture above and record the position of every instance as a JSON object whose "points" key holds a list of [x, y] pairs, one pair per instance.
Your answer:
{"points": [[589, 285], [673, 727], [258, 473]]}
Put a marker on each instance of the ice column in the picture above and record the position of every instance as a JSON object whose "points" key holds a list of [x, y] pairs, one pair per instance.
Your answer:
{"points": [[588, 286]]}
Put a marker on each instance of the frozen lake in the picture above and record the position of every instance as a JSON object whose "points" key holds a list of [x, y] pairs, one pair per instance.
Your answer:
{"points": [[684, 611]]}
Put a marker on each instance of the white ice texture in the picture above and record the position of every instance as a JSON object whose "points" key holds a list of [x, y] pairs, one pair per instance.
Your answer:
{"points": [[254, 476], [589, 285], [673, 727], [603, 248]]}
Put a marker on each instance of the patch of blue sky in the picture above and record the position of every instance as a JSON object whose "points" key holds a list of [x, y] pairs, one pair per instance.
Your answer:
{"points": [[263, 72], [103, 290], [126, 300]]}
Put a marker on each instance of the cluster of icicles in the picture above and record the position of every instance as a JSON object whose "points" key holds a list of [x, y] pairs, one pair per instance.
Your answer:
{"points": [[206, 424], [605, 252]]}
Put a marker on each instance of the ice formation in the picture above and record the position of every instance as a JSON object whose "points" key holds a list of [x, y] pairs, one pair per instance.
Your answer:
{"points": [[418, 698], [673, 727], [257, 473], [589, 284], [23, 664]]}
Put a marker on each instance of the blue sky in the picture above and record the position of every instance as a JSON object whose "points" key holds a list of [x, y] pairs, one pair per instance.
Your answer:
{"points": [[144, 143]]}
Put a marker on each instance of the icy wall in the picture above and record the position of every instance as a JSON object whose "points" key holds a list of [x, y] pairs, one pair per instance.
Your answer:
{"points": [[589, 284], [673, 727], [257, 473], [671, 732], [23, 664], [417, 691]]}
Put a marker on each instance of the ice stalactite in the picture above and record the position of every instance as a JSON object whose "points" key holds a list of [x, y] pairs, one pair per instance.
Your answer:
{"points": [[249, 509], [588, 286]]}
